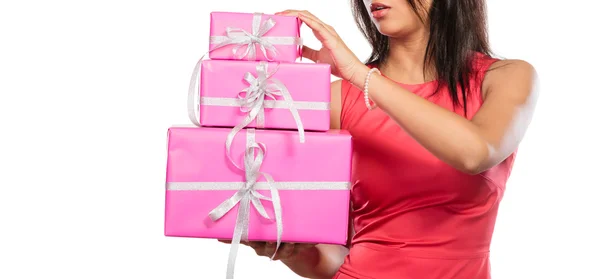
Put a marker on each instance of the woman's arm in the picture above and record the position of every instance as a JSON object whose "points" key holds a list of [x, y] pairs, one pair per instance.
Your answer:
{"points": [[336, 105], [321, 261], [471, 146]]}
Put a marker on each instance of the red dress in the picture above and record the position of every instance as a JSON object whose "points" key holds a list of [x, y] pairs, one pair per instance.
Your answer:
{"points": [[416, 217]]}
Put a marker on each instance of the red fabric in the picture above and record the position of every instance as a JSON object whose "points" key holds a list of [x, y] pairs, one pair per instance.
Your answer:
{"points": [[414, 215]]}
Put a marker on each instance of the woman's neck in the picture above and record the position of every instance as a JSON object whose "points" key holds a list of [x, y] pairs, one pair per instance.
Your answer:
{"points": [[405, 62]]}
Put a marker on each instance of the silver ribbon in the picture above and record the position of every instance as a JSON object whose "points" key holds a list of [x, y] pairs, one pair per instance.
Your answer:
{"points": [[253, 158], [250, 40], [253, 98], [236, 102]]}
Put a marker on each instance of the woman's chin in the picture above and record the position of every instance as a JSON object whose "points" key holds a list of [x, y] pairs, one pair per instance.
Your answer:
{"points": [[388, 30], [392, 29]]}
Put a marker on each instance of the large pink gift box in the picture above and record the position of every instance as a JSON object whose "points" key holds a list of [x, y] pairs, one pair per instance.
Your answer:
{"points": [[231, 91], [312, 181], [247, 36]]}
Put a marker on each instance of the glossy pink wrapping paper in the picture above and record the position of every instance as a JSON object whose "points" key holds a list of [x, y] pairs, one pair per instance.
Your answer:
{"points": [[313, 216], [285, 26], [306, 82]]}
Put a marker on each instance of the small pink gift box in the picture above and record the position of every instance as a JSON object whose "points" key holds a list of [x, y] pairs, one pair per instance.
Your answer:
{"points": [[264, 95], [311, 179], [246, 36]]}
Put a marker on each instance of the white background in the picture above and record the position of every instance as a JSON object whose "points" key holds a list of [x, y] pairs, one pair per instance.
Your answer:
{"points": [[89, 89]]}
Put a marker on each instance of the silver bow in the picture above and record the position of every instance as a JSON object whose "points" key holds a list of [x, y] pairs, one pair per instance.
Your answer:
{"points": [[250, 40], [253, 98], [253, 158]]}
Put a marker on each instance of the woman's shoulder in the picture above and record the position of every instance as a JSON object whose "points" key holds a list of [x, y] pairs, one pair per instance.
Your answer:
{"points": [[493, 70], [488, 63], [504, 73]]}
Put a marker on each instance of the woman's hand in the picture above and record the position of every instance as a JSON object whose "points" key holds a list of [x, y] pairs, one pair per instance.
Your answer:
{"points": [[286, 251], [344, 63]]}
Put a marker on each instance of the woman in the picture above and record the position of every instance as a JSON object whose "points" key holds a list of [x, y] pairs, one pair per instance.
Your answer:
{"points": [[431, 163]]}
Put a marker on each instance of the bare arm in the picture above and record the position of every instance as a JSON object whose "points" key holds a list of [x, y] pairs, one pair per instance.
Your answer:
{"points": [[317, 262], [470, 146], [336, 104]]}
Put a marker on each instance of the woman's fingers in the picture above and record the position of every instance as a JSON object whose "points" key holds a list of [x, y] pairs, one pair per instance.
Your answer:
{"points": [[310, 54], [321, 32], [303, 246], [286, 250], [296, 13], [316, 19], [308, 15], [267, 249]]}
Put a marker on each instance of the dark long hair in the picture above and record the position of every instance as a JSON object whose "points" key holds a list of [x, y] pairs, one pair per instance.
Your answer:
{"points": [[458, 28]]}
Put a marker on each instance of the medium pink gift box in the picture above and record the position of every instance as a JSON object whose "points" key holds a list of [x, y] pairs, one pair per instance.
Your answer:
{"points": [[247, 36], [294, 94], [312, 181]]}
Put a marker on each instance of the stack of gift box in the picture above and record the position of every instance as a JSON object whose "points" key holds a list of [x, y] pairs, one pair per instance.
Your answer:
{"points": [[261, 163]]}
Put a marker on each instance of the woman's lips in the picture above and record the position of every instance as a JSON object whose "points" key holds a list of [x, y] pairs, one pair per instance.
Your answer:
{"points": [[379, 10]]}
